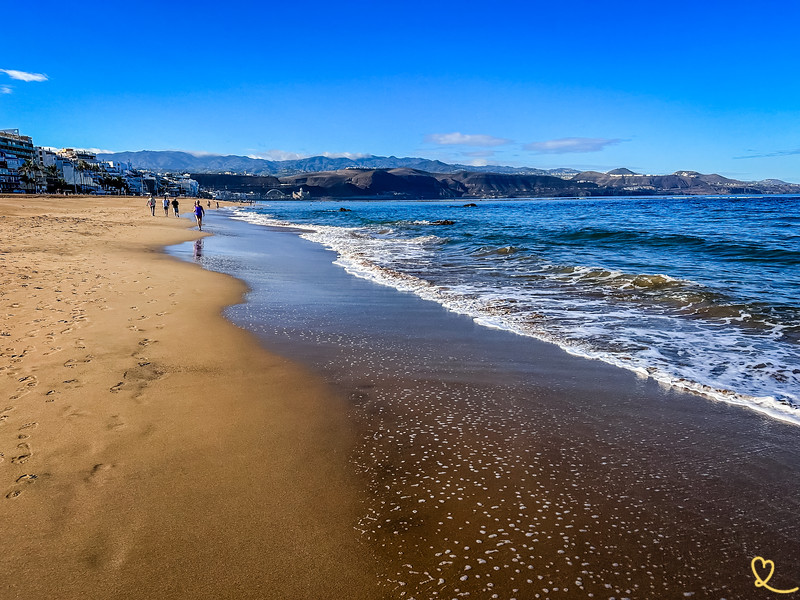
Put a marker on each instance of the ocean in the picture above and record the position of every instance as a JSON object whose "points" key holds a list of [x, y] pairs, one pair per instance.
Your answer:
{"points": [[700, 293]]}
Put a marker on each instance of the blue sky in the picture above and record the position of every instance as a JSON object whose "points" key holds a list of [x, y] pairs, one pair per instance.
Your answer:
{"points": [[656, 87]]}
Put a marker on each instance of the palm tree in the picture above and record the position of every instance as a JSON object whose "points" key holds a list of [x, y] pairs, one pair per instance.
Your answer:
{"points": [[118, 183], [52, 175], [81, 167], [29, 172]]}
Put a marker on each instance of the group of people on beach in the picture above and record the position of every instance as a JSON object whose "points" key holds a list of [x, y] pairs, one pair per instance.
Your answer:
{"points": [[199, 212]]}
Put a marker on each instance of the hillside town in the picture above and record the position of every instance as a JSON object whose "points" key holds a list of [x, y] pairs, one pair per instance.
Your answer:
{"points": [[29, 169]]}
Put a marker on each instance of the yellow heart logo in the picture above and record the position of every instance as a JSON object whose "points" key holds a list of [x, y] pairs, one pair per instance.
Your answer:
{"points": [[764, 581]]}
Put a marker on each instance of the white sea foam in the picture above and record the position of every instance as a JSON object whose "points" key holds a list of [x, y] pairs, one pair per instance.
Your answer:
{"points": [[587, 327]]}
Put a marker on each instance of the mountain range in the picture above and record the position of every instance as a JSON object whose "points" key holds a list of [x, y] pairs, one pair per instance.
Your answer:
{"points": [[381, 176], [186, 162], [413, 183]]}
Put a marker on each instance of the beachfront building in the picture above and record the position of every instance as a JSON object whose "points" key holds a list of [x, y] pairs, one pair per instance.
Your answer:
{"points": [[185, 186], [25, 168], [19, 173], [21, 146], [45, 157], [167, 185], [9, 173], [81, 170]]}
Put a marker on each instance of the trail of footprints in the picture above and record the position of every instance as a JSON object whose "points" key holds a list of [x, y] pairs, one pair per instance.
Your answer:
{"points": [[56, 313]]}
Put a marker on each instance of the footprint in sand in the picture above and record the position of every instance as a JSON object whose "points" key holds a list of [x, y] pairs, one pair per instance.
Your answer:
{"points": [[13, 494], [28, 383], [73, 362], [115, 423], [116, 388], [99, 473], [26, 454]]}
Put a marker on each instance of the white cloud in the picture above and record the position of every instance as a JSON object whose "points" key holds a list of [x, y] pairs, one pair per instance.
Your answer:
{"points": [[461, 139], [199, 153], [23, 76], [565, 145], [352, 155], [770, 154], [278, 155], [4, 89], [480, 153], [99, 151]]}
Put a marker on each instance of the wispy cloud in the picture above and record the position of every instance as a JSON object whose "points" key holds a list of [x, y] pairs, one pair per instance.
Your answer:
{"points": [[462, 139], [573, 144], [4, 89], [200, 153], [351, 155], [24, 76], [278, 155], [99, 151], [770, 154]]}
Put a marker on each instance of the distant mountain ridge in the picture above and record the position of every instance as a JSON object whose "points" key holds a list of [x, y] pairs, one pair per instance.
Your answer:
{"points": [[415, 184], [389, 176], [185, 162]]}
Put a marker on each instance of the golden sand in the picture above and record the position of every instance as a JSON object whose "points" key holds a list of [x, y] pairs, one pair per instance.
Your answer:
{"points": [[148, 448]]}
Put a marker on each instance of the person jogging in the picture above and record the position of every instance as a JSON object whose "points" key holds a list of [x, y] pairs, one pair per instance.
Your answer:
{"points": [[198, 214]]}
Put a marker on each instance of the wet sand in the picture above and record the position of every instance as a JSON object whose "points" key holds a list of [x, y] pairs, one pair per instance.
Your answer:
{"points": [[501, 467], [149, 448]]}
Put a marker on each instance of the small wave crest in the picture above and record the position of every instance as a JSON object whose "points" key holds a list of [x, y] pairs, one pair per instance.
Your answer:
{"points": [[595, 313]]}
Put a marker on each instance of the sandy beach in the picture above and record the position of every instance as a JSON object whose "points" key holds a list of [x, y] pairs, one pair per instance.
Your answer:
{"points": [[149, 448], [380, 446]]}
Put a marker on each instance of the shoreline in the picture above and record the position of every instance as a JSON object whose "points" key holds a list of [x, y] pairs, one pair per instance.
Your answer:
{"points": [[771, 405], [658, 492], [149, 447]]}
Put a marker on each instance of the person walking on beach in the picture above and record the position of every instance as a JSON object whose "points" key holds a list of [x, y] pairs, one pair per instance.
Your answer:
{"points": [[198, 214], [166, 206], [175, 206], [151, 202]]}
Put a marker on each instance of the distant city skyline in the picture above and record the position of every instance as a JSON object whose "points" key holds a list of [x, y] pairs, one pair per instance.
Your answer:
{"points": [[584, 85]]}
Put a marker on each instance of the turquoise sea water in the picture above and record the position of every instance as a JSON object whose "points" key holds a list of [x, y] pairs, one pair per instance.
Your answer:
{"points": [[701, 293]]}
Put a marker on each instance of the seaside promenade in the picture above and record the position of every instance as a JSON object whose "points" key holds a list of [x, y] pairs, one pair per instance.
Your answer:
{"points": [[149, 448]]}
